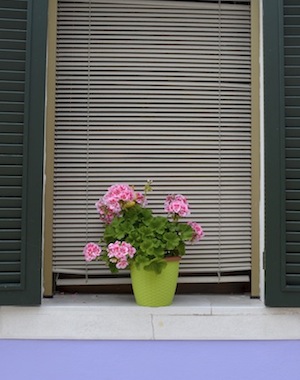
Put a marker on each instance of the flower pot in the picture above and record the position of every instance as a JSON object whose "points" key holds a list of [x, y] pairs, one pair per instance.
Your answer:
{"points": [[152, 289]]}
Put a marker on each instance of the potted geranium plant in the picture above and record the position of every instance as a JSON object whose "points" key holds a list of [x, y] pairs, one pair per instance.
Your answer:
{"points": [[150, 246]]}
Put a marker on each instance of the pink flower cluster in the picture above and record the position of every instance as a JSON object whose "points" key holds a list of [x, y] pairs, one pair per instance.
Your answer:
{"points": [[116, 197], [91, 251], [177, 204], [198, 231], [120, 252]]}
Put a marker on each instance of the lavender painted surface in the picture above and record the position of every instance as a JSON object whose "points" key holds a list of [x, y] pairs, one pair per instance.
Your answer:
{"points": [[148, 360]]}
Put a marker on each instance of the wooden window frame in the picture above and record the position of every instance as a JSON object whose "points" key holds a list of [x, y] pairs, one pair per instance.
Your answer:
{"points": [[50, 122]]}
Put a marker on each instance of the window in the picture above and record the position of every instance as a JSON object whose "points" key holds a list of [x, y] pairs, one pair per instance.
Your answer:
{"points": [[161, 91], [18, 266]]}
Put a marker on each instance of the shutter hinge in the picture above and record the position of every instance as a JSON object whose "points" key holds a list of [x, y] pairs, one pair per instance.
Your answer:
{"points": [[264, 259]]}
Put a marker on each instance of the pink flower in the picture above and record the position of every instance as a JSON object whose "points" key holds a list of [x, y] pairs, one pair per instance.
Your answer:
{"points": [[119, 252], [112, 204], [177, 204], [116, 198], [119, 192], [91, 251], [198, 231], [140, 199], [122, 264], [106, 214]]}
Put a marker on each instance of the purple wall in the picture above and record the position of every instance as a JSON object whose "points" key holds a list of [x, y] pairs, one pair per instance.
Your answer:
{"points": [[148, 360]]}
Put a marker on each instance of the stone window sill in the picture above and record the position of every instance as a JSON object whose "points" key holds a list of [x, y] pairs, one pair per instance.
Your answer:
{"points": [[117, 317]]}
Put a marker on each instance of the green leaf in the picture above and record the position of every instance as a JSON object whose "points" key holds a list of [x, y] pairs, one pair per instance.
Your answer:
{"points": [[186, 231], [172, 240], [156, 265], [113, 268], [146, 245], [135, 237], [158, 224], [181, 248], [109, 235], [145, 231]]}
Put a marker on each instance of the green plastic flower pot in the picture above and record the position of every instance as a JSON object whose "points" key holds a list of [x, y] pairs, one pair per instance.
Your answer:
{"points": [[152, 289]]}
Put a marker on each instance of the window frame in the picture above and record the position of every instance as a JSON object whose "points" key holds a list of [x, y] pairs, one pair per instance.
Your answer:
{"points": [[256, 170]]}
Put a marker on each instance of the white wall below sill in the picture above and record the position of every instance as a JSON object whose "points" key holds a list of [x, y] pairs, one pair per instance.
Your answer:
{"points": [[117, 317]]}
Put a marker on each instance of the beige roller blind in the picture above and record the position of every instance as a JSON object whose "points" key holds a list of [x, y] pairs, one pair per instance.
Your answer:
{"points": [[155, 90]]}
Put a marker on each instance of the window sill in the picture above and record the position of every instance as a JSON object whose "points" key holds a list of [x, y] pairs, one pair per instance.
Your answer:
{"points": [[117, 317]]}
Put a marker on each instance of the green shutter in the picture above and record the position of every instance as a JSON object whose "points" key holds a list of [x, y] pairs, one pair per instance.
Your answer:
{"points": [[22, 72], [282, 125]]}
